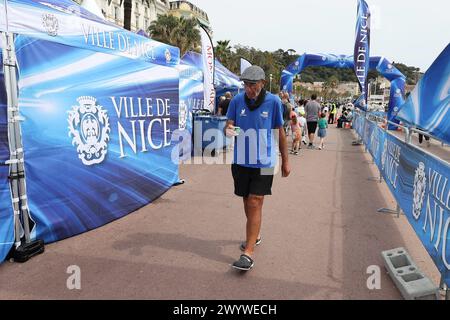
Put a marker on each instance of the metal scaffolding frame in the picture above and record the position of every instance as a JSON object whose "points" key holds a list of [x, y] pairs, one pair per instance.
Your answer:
{"points": [[24, 247]]}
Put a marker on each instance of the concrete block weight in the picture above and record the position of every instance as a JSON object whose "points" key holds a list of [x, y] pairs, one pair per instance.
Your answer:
{"points": [[411, 282]]}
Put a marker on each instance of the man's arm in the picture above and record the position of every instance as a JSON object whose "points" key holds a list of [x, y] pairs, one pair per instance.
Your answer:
{"points": [[285, 167]]}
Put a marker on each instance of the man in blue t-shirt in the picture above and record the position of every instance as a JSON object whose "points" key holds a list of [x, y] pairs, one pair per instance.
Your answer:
{"points": [[255, 118]]}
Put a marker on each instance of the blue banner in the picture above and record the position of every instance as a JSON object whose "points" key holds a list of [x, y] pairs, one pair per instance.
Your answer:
{"points": [[397, 91], [357, 124], [428, 105], [361, 53], [191, 100], [96, 135], [65, 22], [6, 211], [419, 183], [374, 140]]}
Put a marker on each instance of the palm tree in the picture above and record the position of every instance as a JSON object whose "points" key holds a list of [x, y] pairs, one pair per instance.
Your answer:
{"points": [[128, 7], [175, 31], [163, 29], [223, 51], [227, 57], [188, 35]]}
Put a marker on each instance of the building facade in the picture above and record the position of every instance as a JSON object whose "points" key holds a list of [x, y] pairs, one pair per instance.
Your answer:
{"points": [[188, 10], [146, 11], [351, 88], [143, 12]]}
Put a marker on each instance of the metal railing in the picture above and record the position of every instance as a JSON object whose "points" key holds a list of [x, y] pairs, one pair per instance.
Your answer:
{"points": [[408, 140]]}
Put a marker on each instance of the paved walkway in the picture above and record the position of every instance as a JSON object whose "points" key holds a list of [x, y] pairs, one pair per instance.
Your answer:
{"points": [[321, 231]]}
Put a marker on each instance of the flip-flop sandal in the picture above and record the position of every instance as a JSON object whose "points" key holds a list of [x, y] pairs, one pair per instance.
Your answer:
{"points": [[243, 244], [244, 263]]}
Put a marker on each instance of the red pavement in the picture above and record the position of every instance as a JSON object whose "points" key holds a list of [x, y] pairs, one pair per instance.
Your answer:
{"points": [[321, 231]]}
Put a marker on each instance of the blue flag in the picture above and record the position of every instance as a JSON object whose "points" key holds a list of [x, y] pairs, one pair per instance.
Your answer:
{"points": [[428, 105], [361, 55]]}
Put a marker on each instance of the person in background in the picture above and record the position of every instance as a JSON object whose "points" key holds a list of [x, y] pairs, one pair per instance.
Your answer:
{"points": [[427, 138], [301, 106], [303, 126], [332, 115], [296, 133], [326, 108], [221, 98], [323, 125], [223, 104], [287, 109], [312, 109]]}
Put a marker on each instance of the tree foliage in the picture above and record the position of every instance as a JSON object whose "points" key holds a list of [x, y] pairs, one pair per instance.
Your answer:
{"points": [[184, 34], [180, 32], [412, 74]]}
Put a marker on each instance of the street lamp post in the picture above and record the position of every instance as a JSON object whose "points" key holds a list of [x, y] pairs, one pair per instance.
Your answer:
{"points": [[270, 82]]}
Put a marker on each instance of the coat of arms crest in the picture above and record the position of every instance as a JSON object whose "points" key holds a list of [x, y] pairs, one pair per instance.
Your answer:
{"points": [[89, 126]]}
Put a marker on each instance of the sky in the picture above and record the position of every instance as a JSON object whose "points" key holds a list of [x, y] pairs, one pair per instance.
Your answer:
{"points": [[413, 32]]}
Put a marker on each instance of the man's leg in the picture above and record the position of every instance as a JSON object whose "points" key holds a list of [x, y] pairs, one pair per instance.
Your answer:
{"points": [[312, 131], [245, 206], [253, 210]]}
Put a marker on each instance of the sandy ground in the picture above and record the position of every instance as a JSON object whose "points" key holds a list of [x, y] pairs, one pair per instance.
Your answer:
{"points": [[321, 232]]}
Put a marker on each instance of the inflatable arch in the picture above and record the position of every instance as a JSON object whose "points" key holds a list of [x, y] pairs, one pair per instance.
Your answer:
{"points": [[381, 64]]}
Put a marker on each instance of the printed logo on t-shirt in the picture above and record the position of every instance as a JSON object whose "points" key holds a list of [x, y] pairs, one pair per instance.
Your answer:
{"points": [[243, 114], [265, 114]]}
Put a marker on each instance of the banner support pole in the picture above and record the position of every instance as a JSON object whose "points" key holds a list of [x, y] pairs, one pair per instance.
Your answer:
{"points": [[23, 249], [179, 182], [366, 120], [8, 64], [379, 178], [397, 211], [408, 137]]}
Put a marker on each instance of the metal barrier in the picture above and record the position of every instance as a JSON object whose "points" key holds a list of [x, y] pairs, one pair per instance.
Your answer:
{"points": [[408, 140]]}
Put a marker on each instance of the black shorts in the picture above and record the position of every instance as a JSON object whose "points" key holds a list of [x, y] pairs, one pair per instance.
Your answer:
{"points": [[312, 126], [250, 181]]}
